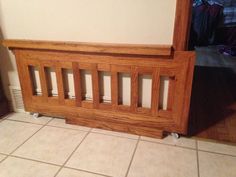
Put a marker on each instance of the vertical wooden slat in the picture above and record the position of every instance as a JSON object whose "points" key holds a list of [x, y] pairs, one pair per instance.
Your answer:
{"points": [[60, 85], [114, 89], [155, 91], [134, 89], [77, 83], [43, 81], [23, 72], [95, 86]]}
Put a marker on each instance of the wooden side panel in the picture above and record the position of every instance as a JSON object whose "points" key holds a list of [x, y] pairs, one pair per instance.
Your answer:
{"points": [[114, 89], [155, 91], [77, 83], [60, 85], [134, 118], [95, 86], [134, 89]]}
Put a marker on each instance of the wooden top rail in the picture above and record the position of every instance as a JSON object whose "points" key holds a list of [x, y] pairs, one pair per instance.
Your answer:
{"points": [[128, 49]]}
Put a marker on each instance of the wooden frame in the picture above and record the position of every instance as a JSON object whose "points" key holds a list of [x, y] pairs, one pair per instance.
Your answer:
{"points": [[182, 24], [155, 60], [134, 59]]}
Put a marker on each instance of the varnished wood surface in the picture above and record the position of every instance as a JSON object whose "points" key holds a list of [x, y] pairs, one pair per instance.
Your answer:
{"points": [[183, 18], [162, 50], [133, 118]]}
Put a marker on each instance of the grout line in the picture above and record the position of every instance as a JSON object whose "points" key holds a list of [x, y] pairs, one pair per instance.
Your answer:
{"points": [[10, 154], [119, 136], [198, 169], [49, 121], [28, 138], [169, 144], [132, 158], [218, 153], [19, 157], [6, 116], [4, 159], [71, 154], [27, 122], [77, 169], [68, 128], [3, 153]]}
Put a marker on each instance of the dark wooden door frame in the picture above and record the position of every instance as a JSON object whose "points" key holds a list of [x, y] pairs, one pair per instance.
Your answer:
{"points": [[182, 24]]}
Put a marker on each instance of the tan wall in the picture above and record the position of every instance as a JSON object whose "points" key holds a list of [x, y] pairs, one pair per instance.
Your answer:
{"points": [[111, 21]]}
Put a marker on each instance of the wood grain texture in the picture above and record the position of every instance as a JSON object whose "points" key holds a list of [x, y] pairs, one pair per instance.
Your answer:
{"points": [[108, 125], [155, 91], [77, 83], [163, 50], [60, 85], [183, 18], [134, 118]]}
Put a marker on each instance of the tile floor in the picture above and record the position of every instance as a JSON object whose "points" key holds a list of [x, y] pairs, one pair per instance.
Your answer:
{"points": [[47, 147]]}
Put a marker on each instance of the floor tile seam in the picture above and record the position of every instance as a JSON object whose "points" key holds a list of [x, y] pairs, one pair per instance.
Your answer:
{"points": [[67, 128], [72, 153], [78, 169], [34, 160], [10, 154], [172, 145], [198, 167], [24, 121], [204, 140], [132, 158], [5, 116], [217, 153], [119, 136], [4, 159], [27, 139]]}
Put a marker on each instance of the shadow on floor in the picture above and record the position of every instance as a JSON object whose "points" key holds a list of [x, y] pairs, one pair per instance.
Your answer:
{"points": [[213, 104]]}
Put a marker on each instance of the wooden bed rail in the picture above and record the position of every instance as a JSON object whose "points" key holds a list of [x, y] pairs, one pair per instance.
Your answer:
{"points": [[136, 60], [134, 49]]}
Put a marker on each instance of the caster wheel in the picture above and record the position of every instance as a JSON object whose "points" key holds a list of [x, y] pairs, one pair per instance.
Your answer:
{"points": [[175, 135], [35, 115]]}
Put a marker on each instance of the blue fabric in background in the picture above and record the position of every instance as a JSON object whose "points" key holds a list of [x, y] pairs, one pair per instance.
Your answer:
{"points": [[210, 2], [225, 3], [229, 10]]}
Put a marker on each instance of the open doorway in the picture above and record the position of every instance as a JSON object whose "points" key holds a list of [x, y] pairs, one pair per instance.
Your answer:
{"points": [[213, 36]]}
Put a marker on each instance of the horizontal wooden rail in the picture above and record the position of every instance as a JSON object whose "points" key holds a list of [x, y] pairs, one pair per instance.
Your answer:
{"points": [[128, 49], [64, 99]]}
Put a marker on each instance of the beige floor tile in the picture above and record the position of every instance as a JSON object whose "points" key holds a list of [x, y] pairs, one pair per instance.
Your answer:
{"points": [[25, 117], [51, 144], [114, 133], [2, 157], [65, 172], [103, 154], [158, 160], [13, 133], [61, 123], [217, 147], [216, 165], [170, 140], [15, 167]]}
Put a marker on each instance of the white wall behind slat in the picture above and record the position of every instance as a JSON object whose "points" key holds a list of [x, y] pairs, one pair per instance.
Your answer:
{"points": [[109, 21]]}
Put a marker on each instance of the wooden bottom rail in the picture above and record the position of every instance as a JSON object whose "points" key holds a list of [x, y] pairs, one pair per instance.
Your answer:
{"points": [[108, 125], [156, 62]]}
